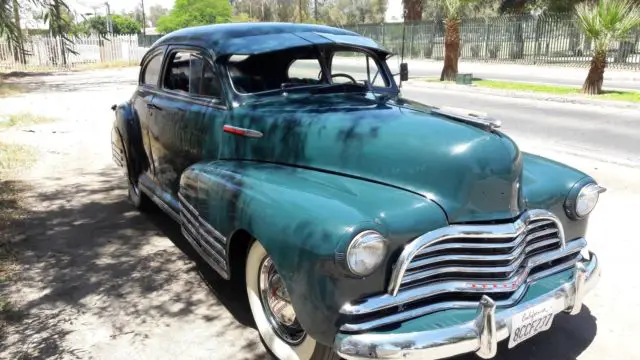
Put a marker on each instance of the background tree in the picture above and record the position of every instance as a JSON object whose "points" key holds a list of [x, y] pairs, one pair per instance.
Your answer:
{"points": [[98, 25], [186, 13], [604, 22], [412, 10], [452, 11], [155, 13]]}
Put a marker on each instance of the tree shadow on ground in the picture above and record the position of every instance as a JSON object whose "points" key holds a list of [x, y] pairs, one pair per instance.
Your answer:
{"points": [[90, 258]]}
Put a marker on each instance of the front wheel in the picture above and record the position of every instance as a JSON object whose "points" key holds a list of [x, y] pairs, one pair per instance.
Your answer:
{"points": [[273, 312]]}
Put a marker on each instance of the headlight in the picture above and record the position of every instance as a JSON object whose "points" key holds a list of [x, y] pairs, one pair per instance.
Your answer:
{"points": [[582, 204], [366, 252]]}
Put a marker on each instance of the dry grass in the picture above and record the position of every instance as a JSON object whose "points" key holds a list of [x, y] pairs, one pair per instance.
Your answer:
{"points": [[23, 119], [9, 89]]}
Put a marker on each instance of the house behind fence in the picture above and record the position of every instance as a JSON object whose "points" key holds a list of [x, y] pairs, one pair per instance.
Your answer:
{"points": [[554, 40]]}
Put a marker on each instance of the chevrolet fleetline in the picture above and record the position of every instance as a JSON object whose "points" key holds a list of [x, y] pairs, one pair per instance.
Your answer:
{"points": [[362, 225]]}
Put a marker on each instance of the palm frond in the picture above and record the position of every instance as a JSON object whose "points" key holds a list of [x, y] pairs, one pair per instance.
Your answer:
{"points": [[607, 20], [452, 8]]}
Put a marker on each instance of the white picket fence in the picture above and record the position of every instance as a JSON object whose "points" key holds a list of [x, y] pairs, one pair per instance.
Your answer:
{"points": [[44, 53]]}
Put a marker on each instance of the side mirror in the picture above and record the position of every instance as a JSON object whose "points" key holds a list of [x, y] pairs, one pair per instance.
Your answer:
{"points": [[404, 72]]}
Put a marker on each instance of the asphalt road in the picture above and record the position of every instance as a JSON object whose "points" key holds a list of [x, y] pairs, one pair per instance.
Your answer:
{"points": [[605, 133]]}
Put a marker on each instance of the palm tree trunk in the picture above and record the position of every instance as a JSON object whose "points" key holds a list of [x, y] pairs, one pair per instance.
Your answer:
{"points": [[593, 83], [451, 50]]}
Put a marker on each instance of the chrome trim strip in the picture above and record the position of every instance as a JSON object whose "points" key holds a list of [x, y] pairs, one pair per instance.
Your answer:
{"points": [[385, 301], [469, 231], [432, 308], [158, 201], [201, 221], [197, 232], [468, 117], [523, 248], [194, 223], [478, 335], [510, 269], [469, 245], [206, 257]]}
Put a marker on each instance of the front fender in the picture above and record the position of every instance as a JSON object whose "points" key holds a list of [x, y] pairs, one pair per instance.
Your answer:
{"points": [[546, 185], [305, 219]]}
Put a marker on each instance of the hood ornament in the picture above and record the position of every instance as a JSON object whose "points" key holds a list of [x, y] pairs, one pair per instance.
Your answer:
{"points": [[469, 116]]}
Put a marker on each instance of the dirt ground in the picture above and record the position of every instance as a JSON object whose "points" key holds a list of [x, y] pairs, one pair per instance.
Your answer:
{"points": [[98, 280]]}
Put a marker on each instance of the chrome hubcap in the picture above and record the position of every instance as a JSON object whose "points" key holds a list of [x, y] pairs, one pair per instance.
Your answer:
{"points": [[277, 305]]}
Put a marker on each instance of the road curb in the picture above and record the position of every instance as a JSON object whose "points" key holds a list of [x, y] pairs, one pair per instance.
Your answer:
{"points": [[521, 94]]}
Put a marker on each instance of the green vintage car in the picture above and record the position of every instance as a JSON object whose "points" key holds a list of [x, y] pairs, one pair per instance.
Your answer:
{"points": [[361, 224]]}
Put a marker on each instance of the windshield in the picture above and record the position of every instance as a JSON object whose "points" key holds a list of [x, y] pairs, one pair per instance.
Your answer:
{"points": [[301, 68]]}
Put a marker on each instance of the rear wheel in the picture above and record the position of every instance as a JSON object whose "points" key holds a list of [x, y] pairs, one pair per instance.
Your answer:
{"points": [[275, 318], [138, 198]]}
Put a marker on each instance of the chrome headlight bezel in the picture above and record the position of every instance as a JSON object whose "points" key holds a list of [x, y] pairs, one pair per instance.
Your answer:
{"points": [[582, 199], [366, 241]]}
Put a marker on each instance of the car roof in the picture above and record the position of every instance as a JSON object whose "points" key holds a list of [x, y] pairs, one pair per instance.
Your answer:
{"points": [[255, 38]]}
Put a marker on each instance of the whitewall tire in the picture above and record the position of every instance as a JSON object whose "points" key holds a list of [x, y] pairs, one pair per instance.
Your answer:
{"points": [[283, 341]]}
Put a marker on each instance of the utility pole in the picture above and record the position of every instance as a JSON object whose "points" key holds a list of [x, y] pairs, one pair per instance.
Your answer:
{"points": [[300, 10], [144, 21], [315, 9]]}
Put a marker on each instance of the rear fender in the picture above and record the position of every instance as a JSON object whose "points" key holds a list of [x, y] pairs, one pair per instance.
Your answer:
{"points": [[126, 139], [305, 219]]}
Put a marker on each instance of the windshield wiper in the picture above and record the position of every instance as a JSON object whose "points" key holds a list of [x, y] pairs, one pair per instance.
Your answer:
{"points": [[344, 86]]}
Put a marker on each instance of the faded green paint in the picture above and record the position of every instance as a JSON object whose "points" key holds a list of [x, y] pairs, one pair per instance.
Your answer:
{"points": [[327, 167]]}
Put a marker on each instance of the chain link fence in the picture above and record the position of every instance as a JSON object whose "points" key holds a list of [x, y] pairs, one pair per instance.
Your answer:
{"points": [[532, 40]]}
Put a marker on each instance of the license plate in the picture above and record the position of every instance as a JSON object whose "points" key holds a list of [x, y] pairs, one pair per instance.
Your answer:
{"points": [[530, 322]]}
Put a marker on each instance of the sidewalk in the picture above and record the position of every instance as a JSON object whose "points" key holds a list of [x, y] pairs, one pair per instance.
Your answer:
{"points": [[517, 71]]}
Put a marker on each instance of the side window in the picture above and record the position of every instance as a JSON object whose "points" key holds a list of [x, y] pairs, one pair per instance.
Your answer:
{"points": [[178, 71], [190, 73], [304, 70], [204, 81], [152, 71], [348, 65]]}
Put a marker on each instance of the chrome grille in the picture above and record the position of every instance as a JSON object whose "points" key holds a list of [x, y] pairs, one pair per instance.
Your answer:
{"points": [[453, 267], [480, 258]]}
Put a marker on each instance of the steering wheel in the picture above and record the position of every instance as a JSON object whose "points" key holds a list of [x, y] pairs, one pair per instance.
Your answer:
{"points": [[344, 76]]}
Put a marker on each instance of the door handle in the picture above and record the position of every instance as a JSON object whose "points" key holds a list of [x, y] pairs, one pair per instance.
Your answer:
{"points": [[153, 107]]}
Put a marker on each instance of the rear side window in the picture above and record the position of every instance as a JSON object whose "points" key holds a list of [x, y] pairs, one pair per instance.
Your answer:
{"points": [[152, 71], [178, 71], [189, 73]]}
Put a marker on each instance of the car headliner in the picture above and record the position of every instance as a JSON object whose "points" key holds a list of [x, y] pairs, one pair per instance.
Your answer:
{"points": [[255, 38]]}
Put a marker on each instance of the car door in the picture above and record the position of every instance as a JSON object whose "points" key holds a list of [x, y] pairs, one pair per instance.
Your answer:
{"points": [[186, 109], [142, 101]]}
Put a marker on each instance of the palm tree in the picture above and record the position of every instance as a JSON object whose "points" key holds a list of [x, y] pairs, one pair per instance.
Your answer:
{"points": [[603, 22], [452, 10]]}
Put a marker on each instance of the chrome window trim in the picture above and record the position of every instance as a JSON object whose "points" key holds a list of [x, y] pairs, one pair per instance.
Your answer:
{"points": [[514, 229]]}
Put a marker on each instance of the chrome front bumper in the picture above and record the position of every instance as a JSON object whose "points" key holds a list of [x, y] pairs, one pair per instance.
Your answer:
{"points": [[480, 336]]}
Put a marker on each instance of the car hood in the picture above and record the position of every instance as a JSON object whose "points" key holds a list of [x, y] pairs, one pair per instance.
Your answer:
{"points": [[473, 174]]}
